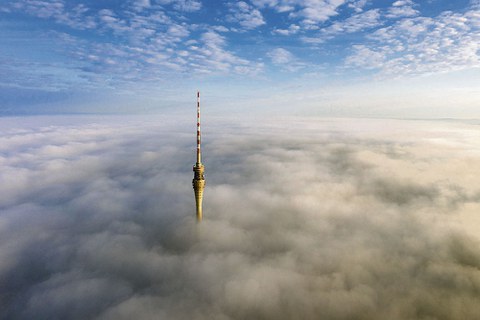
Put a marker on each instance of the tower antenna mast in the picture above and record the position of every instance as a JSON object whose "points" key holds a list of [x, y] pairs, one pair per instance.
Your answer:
{"points": [[198, 181]]}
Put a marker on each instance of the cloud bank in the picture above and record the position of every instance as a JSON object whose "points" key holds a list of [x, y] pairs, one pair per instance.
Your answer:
{"points": [[305, 219]]}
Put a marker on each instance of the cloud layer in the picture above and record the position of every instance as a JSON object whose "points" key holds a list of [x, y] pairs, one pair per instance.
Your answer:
{"points": [[308, 219]]}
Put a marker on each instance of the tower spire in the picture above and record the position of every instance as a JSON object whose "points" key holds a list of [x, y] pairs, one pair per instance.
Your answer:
{"points": [[199, 137], [198, 181]]}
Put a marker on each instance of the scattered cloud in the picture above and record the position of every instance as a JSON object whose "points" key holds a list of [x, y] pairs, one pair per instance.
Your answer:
{"points": [[142, 4], [319, 11], [422, 45], [139, 42], [402, 8], [285, 59], [358, 22], [302, 218], [212, 56], [280, 56], [220, 28], [310, 12], [187, 5], [74, 16], [292, 29], [358, 5], [365, 57], [246, 15], [178, 5], [86, 45], [355, 23]]}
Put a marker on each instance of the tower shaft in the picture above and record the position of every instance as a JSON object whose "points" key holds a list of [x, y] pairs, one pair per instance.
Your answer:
{"points": [[198, 181]]}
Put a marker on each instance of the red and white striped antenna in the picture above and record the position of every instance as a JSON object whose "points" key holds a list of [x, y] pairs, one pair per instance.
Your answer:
{"points": [[199, 154]]}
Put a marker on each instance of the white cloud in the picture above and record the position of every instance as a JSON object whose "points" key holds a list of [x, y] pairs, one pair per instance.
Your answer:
{"points": [[422, 45], [220, 28], [315, 11], [401, 3], [292, 29], [358, 5], [281, 56], [402, 8], [76, 17], [285, 59], [358, 22], [213, 40], [355, 23], [141, 4], [265, 3], [182, 5], [108, 18], [212, 56], [365, 57], [245, 15], [178, 31], [187, 5], [310, 12]]}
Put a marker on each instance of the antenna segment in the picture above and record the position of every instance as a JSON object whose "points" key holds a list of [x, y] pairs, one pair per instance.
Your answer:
{"points": [[199, 137]]}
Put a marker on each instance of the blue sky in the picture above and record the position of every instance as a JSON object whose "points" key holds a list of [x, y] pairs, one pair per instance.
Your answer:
{"points": [[401, 58]]}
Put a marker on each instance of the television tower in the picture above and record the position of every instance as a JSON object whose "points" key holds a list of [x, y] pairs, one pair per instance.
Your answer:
{"points": [[198, 181]]}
